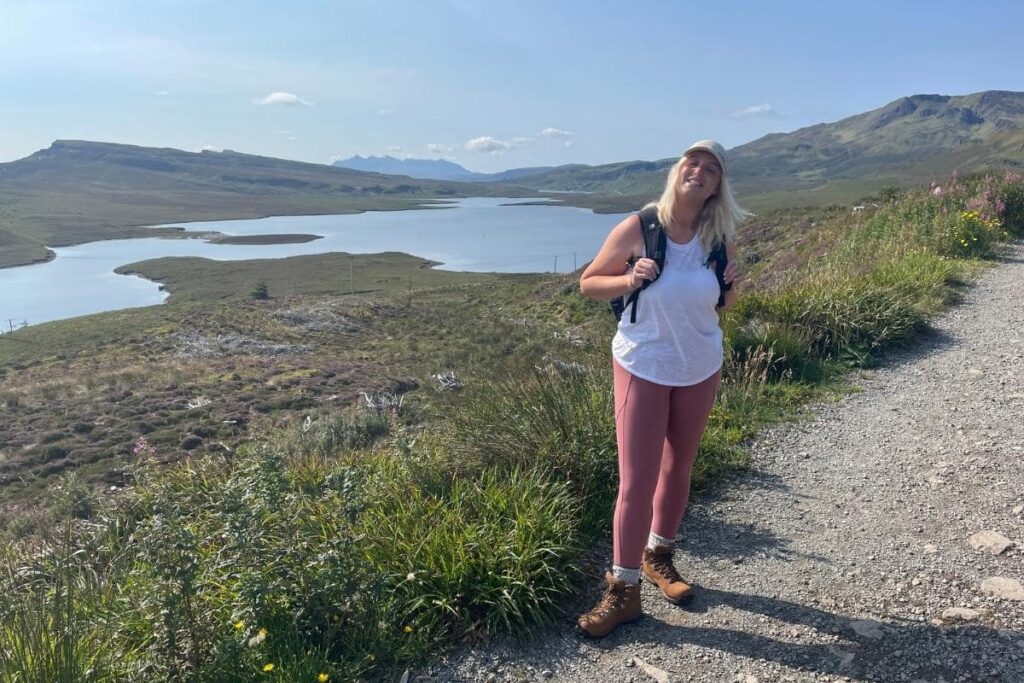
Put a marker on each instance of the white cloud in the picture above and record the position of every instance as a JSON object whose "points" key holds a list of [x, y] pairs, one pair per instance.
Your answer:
{"points": [[290, 99], [521, 140], [764, 110], [162, 93], [394, 148], [555, 133], [486, 143], [385, 112], [440, 149]]}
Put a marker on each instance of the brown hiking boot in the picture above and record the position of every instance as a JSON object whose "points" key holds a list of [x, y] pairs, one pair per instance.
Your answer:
{"points": [[659, 570], [620, 604]]}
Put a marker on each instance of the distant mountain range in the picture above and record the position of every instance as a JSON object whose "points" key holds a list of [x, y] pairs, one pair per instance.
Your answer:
{"points": [[432, 169], [909, 140]]}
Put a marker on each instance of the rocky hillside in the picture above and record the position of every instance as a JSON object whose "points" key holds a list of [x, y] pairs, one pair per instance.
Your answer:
{"points": [[911, 139]]}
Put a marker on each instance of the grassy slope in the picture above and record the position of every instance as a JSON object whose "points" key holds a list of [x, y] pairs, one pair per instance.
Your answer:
{"points": [[359, 555], [78, 392]]}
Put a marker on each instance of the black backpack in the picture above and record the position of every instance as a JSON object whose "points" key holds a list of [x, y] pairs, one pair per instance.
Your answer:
{"points": [[654, 243]]}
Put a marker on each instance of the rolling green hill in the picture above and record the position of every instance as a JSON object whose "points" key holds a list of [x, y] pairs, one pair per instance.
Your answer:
{"points": [[907, 141]]}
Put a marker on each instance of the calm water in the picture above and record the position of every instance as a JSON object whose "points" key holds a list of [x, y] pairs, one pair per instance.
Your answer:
{"points": [[476, 235]]}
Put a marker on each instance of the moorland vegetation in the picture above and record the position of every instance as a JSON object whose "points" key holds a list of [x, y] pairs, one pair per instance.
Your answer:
{"points": [[345, 544]]}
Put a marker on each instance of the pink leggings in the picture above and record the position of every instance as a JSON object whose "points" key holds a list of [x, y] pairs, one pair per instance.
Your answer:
{"points": [[658, 429]]}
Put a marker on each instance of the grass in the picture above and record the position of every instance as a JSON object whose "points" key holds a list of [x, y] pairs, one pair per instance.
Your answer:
{"points": [[392, 273], [353, 543]]}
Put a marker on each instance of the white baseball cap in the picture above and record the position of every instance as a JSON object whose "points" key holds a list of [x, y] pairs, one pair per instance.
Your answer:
{"points": [[711, 147]]}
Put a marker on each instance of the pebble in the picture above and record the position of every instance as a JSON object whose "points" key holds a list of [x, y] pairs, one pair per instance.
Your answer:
{"points": [[1002, 587], [990, 541], [960, 614], [868, 629]]}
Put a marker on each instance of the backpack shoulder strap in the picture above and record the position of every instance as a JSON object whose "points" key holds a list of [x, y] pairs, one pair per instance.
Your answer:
{"points": [[720, 258], [654, 248], [654, 235]]}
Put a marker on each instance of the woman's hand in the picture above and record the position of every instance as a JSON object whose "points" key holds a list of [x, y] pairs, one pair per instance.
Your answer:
{"points": [[733, 273], [609, 275], [643, 269]]}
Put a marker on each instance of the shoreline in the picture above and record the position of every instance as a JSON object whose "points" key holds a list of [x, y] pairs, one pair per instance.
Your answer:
{"points": [[173, 230], [46, 258]]}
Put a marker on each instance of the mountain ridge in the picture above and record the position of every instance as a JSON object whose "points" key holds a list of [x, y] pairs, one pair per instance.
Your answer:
{"points": [[911, 138], [432, 169]]}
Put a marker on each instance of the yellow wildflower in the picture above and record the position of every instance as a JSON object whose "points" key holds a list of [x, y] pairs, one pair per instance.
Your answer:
{"points": [[407, 629], [323, 678], [268, 667], [263, 633], [239, 625]]}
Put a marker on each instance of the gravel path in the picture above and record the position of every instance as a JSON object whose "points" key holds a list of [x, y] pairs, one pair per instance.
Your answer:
{"points": [[846, 553]]}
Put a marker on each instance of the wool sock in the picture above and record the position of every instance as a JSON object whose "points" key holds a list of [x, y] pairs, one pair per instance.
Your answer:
{"points": [[630, 576], [654, 540]]}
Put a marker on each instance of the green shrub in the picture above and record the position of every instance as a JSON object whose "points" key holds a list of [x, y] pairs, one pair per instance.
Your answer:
{"points": [[845, 317], [259, 291], [563, 423], [334, 433], [1011, 195], [51, 437], [232, 570], [967, 234], [490, 554], [54, 452], [788, 346], [73, 499]]}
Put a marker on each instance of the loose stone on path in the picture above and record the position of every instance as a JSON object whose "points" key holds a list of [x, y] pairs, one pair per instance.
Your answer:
{"points": [[1004, 588], [990, 541]]}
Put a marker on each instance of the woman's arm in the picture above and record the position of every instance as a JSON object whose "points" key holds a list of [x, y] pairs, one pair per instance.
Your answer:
{"points": [[733, 273], [609, 275]]}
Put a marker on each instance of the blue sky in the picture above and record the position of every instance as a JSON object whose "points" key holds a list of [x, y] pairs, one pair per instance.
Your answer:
{"points": [[489, 84]]}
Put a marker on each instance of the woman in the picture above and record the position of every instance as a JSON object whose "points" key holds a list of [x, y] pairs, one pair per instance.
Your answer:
{"points": [[666, 369]]}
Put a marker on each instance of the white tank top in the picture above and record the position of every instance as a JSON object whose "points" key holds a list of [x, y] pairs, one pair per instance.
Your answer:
{"points": [[676, 340]]}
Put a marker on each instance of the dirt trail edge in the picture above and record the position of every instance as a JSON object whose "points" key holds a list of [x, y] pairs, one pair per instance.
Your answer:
{"points": [[853, 549]]}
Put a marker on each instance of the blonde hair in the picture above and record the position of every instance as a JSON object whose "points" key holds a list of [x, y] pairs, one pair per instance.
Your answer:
{"points": [[716, 221]]}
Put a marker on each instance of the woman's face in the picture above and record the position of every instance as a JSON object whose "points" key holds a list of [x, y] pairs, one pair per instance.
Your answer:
{"points": [[699, 177]]}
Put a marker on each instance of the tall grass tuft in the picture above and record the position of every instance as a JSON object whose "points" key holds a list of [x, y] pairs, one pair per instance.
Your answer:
{"points": [[489, 554], [561, 423], [49, 630]]}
